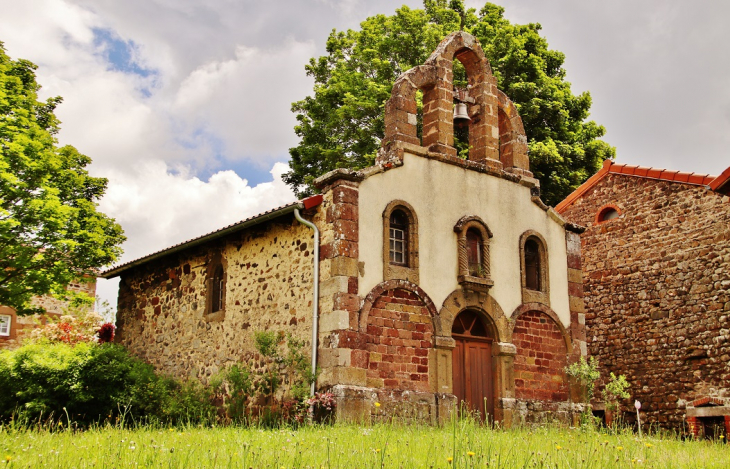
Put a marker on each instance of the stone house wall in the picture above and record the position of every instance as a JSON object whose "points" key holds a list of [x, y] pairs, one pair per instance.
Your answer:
{"points": [[162, 319], [657, 290]]}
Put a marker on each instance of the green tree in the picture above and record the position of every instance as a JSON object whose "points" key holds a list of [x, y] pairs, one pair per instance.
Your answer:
{"points": [[341, 124], [51, 233]]}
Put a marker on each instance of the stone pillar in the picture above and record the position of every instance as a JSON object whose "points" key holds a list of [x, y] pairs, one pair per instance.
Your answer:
{"points": [[343, 359], [575, 296], [503, 354]]}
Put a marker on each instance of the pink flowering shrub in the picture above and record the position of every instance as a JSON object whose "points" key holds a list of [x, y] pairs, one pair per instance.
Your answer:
{"points": [[70, 329], [106, 333], [322, 406]]}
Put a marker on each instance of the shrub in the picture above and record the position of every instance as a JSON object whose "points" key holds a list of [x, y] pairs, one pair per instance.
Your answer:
{"points": [[586, 373], [615, 390], [91, 383]]}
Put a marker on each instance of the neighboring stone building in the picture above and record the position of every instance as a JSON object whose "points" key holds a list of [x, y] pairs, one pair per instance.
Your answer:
{"points": [[14, 328], [439, 278], [656, 270]]}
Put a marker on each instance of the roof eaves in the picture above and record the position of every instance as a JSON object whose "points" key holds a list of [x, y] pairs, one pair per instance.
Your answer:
{"points": [[721, 182], [243, 224], [583, 188]]}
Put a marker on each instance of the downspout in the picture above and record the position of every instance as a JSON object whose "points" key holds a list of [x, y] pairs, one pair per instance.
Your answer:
{"points": [[315, 309]]}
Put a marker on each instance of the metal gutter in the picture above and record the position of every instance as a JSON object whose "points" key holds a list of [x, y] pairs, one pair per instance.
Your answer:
{"points": [[315, 308]]}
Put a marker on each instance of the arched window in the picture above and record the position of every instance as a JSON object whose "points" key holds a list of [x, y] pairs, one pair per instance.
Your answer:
{"points": [[606, 213], [473, 245], [398, 234], [532, 265], [400, 242], [215, 284], [534, 268]]}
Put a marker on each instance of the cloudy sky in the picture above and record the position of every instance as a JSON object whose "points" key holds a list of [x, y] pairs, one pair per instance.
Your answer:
{"points": [[184, 105]]}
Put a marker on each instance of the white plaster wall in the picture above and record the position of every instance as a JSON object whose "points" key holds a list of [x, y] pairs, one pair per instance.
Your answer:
{"points": [[441, 194]]}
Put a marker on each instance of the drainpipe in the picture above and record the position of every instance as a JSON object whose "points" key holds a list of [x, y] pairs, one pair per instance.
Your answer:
{"points": [[315, 309]]}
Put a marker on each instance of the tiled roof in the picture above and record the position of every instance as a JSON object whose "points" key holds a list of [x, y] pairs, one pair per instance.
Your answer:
{"points": [[254, 220], [609, 167]]}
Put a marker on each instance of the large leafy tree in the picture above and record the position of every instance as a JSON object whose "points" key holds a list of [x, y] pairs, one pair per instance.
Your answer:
{"points": [[341, 124], [51, 233]]}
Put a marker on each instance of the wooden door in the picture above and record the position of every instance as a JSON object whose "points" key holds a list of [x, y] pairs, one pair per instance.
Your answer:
{"points": [[472, 364]]}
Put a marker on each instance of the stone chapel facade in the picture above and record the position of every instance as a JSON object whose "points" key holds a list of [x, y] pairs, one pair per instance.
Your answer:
{"points": [[656, 267], [441, 280]]}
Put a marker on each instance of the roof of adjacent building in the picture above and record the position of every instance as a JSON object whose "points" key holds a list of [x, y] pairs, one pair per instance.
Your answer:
{"points": [[719, 183], [238, 226]]}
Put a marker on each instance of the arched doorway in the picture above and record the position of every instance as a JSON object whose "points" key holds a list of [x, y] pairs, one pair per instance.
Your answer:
{"points": [[472, 363]]}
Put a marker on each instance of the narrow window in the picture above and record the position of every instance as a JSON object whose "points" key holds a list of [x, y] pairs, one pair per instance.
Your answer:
{"points": [[532, 265], [5, 325], [474, 253], [218, 289], [398, 234]]}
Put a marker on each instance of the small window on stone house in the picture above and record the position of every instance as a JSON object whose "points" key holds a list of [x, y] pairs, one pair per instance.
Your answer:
{"points": [[606, 213], [534, 268], [474, 247], [215, 304], [5, 321], [400, 242]]}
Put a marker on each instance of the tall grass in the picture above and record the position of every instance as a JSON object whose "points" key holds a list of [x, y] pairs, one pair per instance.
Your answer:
{"points": [[462, 444]]}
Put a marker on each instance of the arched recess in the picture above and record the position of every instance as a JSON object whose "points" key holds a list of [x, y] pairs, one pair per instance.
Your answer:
{"points": [[527, 307], [543, 349], [397, 321], [537, 289], [409, 269], [480, 279], [512, 138]]}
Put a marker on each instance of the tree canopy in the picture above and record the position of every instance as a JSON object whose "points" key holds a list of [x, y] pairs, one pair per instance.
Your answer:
{"points": [[51, 233], [342, 123]]}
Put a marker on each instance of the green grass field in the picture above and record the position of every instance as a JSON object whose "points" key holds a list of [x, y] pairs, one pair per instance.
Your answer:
{"points": [[461, 444]]}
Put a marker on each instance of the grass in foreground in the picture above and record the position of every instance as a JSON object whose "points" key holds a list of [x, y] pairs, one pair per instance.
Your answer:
{"points": [[462, 445]]}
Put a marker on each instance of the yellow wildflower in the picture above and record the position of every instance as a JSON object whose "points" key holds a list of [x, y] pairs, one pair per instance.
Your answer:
{"points": [[377, 404], [449, 459], [377, 450], [471, 454], [649, 445], [558, 447], [619, 448], [8, 458]]}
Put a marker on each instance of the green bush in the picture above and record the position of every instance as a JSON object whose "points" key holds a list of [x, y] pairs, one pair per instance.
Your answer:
{"points": [[92, 383]]}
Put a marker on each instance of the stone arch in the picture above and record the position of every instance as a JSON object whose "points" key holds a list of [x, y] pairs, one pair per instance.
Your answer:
{"points": [[543, 349], [527, 307], [512, 138], [435, 79], [460, 300], [383, 287]]}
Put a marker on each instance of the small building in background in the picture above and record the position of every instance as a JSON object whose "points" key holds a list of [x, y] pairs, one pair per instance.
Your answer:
{"points": [[14, 328], [656, 270]]}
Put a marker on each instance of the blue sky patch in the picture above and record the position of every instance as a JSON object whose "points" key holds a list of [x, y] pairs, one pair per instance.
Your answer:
{"points": [[120, 54]]}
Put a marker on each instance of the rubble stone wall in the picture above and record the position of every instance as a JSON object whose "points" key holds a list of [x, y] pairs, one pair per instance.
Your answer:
{"points": [[657, 290], [269, 270]]}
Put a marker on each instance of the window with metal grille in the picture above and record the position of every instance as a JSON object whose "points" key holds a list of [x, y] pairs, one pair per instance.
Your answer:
{"points": [[398, 234]]}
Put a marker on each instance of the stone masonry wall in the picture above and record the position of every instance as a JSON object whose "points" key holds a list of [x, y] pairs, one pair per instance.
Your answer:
{"points": [[657, 290], [269, 287], [399, 336], [541, 359]]}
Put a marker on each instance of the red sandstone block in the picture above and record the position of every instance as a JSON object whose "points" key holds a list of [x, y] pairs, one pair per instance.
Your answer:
{"points": [[344, 194], [390, 383], [421, 352], [359, 358]]}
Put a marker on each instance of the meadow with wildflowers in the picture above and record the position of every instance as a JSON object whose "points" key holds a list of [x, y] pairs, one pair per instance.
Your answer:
{"points": [[461, 444]]}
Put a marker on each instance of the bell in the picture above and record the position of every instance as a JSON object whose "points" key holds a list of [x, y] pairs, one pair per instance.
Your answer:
{"points": [[461, 115]]}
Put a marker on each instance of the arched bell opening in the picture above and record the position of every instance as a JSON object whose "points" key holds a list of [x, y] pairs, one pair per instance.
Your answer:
{"points": [[473, 363]]}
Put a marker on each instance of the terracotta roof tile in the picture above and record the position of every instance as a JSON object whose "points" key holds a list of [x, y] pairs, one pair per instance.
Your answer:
{"points": [[642, 171]]}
